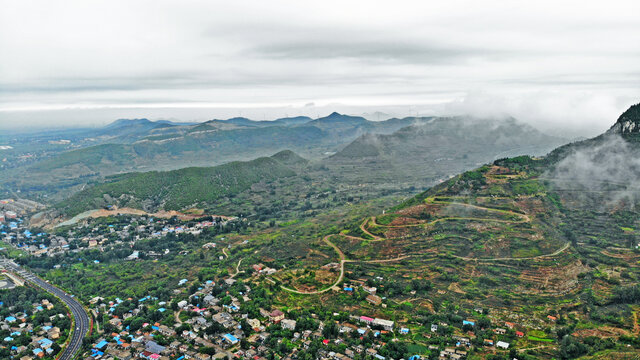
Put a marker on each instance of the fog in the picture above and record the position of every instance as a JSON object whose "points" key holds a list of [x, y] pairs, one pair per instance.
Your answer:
{"points": [[605, 175]]}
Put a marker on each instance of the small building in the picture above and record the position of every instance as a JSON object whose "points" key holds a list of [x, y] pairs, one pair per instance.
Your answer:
{"points": [[502, 345], [230, 339], [276, 316], [374, 299], [366, 320], [288, 324], [386, 324]]}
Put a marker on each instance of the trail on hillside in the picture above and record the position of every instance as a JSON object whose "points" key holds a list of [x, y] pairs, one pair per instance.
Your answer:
{"points": [[524, 218], [555, 253], [343, 260]]}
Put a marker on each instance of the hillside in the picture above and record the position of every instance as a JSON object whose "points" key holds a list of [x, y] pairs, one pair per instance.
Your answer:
{"points": [[435, 149], [179, 189], [506, 243], [548, 244]]}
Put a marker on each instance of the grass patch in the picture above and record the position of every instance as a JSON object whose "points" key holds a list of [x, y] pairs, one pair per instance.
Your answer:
{"points": [[535, 338]]}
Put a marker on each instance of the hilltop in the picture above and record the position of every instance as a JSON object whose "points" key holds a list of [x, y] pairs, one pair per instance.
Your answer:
{"points": [[628, 122]]}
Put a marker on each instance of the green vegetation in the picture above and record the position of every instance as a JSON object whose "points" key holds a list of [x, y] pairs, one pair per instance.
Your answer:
{"points": [[178, 189]]}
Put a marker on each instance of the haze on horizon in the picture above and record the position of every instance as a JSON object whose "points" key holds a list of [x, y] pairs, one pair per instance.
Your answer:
{"points": [[570, 67]]}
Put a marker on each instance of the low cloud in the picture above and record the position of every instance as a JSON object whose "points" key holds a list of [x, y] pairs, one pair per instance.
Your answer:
{"points": [[604, 175]]}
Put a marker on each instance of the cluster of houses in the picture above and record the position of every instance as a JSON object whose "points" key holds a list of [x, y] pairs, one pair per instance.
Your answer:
{"points": [[41, 336], [186, 336], [84, 235]]}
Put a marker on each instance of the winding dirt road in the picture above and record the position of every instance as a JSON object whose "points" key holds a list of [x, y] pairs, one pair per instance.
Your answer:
{"points": [[523, 219], [342, 262]]}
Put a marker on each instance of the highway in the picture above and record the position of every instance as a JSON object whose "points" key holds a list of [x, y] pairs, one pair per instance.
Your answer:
{"points": [[77, 311]]}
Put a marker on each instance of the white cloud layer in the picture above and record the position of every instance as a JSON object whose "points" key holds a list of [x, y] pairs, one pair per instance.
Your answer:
{"points": [[571, 64]]}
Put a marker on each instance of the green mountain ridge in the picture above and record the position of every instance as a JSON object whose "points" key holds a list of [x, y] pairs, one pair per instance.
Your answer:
{"points": [[179, 189]]}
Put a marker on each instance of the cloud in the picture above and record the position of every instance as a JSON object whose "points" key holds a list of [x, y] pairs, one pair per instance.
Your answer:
{"points": [[404, 56], [603, 176]]}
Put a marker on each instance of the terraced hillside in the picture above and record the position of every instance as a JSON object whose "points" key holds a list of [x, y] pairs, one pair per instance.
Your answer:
{"points": [[515, 238]]}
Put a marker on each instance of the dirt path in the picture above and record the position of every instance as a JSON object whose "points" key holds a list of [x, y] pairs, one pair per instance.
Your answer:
{"points": [[237, 270], [342, 262], [364, 230], [97, 322], [636, 325], [555, 253], [177, 317], [524, 218], [96, 213], [224, 251]]}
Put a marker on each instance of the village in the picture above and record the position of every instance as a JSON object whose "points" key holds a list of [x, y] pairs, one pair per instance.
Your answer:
{"points": [[211, 320], [15, 231], [29, 330]]}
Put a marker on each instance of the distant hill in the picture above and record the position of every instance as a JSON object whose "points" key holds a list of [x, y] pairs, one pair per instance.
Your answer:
{"points": [[141, 145], [436, 148], [179, 189], [288, 157]]}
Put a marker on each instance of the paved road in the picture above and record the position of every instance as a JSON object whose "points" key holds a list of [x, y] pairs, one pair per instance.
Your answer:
{"points": [[78, 312]]}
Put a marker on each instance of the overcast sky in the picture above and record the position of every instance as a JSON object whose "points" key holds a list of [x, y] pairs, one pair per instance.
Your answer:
{"points": [[569, 65]]}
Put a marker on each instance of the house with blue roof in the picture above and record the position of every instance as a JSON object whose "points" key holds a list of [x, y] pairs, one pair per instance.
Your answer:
{"points": [[10, 319], [101, 344], [45, 343], [230, 338]]}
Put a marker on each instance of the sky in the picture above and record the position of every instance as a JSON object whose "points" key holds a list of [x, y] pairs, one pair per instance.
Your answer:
{"points": [[564, 66]]}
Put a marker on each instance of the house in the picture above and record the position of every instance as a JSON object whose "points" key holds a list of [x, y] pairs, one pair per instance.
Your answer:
{"points": [[404, 331], [154, 347], [500, 331], [519, 334], [386, 324], [230, 339], [488, 342], [367, 320], [276, 315], [468, 322], [434, 327], [510, 325], [371, 290], [552, 318], [374, 299], [288, 324], [502, 345]]}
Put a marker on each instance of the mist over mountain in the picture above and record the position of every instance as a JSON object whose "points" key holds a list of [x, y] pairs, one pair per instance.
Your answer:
{"points": [[604, 171], [433, 149]]}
